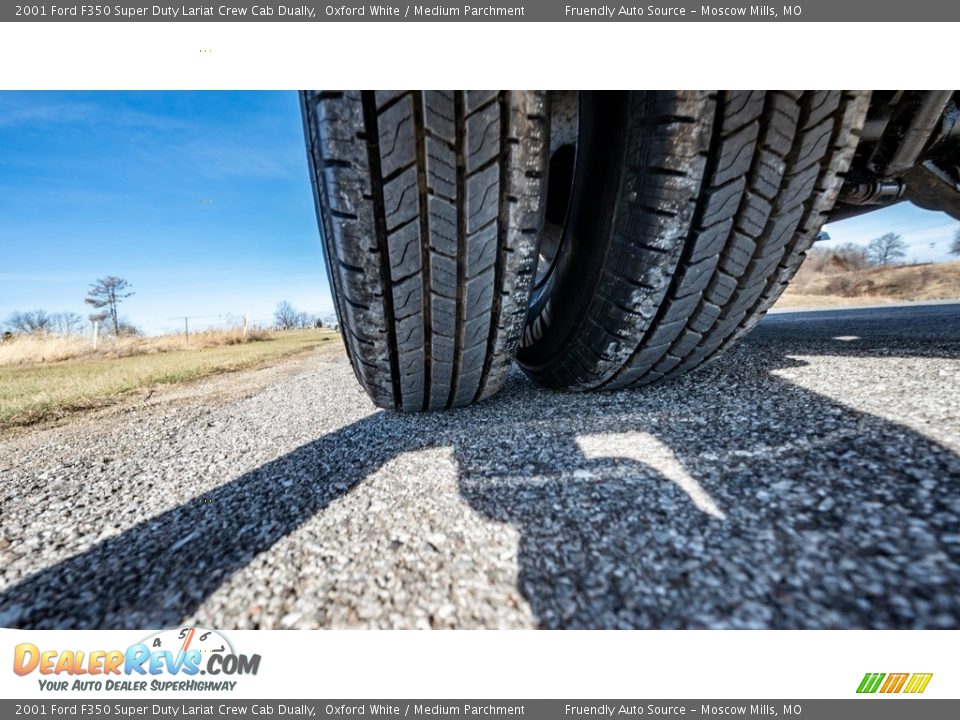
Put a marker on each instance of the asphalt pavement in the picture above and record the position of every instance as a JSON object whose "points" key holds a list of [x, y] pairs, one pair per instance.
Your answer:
{"points": [[809, 478]]}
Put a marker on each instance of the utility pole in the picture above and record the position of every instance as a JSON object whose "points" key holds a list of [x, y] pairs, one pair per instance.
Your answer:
{"points": [[186, 330], [96, 333]]}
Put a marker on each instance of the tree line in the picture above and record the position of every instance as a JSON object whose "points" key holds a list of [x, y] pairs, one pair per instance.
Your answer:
{"points": [[888, 249], [287, 317], [104, 297]]}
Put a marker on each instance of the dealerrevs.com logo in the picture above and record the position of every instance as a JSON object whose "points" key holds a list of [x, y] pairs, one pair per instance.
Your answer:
{"points": [[890, 683], [180, 653]]}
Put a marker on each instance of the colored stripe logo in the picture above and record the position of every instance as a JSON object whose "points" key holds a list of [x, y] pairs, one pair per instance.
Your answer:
{"points": [[887, 683]]}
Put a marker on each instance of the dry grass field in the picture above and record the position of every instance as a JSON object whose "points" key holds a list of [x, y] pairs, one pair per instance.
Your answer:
{"points": [[32, 349], [46, 377], [837, 287]]}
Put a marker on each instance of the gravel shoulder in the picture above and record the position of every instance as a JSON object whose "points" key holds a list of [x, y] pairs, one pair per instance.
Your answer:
{"points": [[810, 478]]}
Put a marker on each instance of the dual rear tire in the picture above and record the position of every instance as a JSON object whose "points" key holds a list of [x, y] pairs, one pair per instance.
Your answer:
{"points": [[429, 204], [686, 213]]}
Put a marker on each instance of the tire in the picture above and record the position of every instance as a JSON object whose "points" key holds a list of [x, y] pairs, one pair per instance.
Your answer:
{"points": [[691, 211], [429, 204]]}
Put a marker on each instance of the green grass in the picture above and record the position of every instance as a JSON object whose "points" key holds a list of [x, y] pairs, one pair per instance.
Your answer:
{"points": [[31, 393]]}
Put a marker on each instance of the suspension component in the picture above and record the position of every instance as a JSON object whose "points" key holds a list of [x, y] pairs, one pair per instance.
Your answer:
{"points": [[873, 191]]}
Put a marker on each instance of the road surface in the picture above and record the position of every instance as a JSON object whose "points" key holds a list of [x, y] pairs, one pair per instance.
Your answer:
{"points": [[810, 478]]}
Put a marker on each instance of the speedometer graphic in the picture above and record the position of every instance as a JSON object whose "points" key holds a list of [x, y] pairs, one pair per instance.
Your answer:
{"points": [[183, 639]]}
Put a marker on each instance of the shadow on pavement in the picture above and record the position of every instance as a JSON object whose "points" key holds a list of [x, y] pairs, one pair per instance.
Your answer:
{"points": [[729, 498]]}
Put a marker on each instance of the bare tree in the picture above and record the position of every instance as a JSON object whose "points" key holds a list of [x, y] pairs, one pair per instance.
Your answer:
{"points": [[30, 321], [307, 320], [955, 245], [13, 323], [66, 323], [886, 249], [106, 293], [286, 316]]}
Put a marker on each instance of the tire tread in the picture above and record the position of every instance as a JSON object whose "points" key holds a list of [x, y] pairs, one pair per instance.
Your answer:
{"points": [[429, 204]]}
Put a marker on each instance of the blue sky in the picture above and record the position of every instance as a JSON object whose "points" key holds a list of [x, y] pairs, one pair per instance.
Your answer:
{"points": [[202, 200]]}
